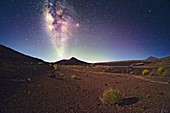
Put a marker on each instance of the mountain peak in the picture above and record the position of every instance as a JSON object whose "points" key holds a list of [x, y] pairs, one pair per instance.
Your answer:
{"points": [[72, 61], [73, 58], [152, 58]]}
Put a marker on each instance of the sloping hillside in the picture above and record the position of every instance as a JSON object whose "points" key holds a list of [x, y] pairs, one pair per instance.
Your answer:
{"points": [[10, 55], [162, 61]]}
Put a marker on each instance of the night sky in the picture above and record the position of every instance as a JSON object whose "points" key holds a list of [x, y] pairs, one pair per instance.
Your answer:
{"points": [[90, 30]]}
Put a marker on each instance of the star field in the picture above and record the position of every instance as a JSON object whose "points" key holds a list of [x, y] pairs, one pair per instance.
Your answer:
{"points": [[109, 29]]}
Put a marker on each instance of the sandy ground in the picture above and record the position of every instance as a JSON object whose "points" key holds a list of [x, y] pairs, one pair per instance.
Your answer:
{"points": [[79, 90]]}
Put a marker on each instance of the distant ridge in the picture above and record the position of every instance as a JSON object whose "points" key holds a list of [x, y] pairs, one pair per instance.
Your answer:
{"points": [[9, 55], [152, 58], [124, 63], [162, 61], [72, 61]]}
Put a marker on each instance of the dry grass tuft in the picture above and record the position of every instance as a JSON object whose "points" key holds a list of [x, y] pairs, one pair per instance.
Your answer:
{"points": [[111, 96]]}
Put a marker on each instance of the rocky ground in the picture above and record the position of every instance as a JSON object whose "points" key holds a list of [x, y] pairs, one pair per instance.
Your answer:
{"points": [[78, 89]]}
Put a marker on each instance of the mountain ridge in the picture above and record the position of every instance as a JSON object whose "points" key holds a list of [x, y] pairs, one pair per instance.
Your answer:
{"points": [[152, 58], [10, 55], [72, 61]]}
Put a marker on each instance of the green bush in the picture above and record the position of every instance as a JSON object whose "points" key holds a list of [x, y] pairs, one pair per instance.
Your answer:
{"points": [[145, 72], [151, 73], [161, 70], [55, 66], [111, 96]]}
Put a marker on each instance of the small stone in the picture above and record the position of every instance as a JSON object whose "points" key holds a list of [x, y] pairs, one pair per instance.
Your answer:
{"points": [[61, 74], [53, 76], [98, 104], [29, 92], [161, 93], [136, 87], [148, 96], [70, 108], [39, 85], [29, 79], [168, 81]]}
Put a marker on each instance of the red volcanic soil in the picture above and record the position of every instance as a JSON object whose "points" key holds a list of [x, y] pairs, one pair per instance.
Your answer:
{"points": [[78, 89]]}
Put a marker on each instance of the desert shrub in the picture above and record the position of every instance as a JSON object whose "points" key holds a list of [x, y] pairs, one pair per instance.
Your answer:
{"points": [[151, 73], [92, 65], [136, 72], [75, 66], [111, 96], [145, 72], [161, 70], [40, 63], [73, 77], [55, 66], [166, 74], [132, 72]]}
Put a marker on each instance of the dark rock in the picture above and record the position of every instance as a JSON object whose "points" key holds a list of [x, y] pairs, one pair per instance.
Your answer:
{"points": [[52, 76], [161, 93], [148, 96], [136, 87]]}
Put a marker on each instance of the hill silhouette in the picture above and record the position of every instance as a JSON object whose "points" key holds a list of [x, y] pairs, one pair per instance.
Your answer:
{"points": [[9, 55], [72, 61], [162, 61], [152, 58]]}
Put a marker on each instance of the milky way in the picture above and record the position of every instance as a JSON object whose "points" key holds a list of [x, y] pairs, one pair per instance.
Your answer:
{"points": [[109, 29], [61, 21]]}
